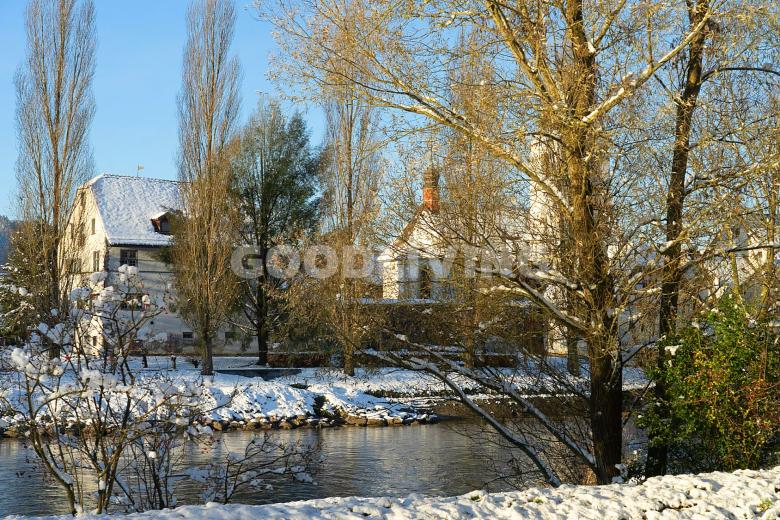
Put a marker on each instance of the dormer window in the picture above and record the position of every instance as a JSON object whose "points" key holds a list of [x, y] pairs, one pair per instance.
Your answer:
{"points": [[165, 226], [162, 223]]}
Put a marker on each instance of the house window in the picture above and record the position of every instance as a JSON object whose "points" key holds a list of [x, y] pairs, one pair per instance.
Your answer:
{"points": [[230, 335], [92, 227], [128, 257], [96, 261], [94, 341], [187, 336], [426, 283]]}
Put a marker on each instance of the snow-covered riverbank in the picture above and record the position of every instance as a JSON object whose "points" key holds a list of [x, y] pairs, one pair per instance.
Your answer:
{"points": [[232, 401], [742, 494], [313, 397]]}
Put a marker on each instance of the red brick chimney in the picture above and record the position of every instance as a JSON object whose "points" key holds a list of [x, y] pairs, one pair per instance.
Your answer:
{"points": [[431, 190]]}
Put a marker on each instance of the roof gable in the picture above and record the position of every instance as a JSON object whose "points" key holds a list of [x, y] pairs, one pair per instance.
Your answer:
{"points": [[127, 206], [421, 232]]}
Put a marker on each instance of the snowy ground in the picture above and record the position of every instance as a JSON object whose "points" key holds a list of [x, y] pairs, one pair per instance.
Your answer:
{"points": [[399, 382], [742, 494], [407, 383], [243, 402], [315, 396]]}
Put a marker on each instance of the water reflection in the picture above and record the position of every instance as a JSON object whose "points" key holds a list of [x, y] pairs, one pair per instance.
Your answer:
{"points": [[430, 459]]}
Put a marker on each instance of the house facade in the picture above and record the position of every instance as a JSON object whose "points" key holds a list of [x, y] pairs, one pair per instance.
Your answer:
{"points": [[125, 221]]}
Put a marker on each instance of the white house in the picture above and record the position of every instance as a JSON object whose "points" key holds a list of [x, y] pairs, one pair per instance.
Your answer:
{"points": [[122, 220], [428, 236], [427, 262], [418, 262], [405, 263]]}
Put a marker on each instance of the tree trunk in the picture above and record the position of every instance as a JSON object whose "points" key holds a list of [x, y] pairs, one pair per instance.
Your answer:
{"points": [[54, 298], [349, 360], [262, 342], [606, 377], [770, 276], [261, 328], [606, 370], [469, 355], [572, 353], [606, 396], [207, 354], [657, 454], [589, 200], [350, 325]]}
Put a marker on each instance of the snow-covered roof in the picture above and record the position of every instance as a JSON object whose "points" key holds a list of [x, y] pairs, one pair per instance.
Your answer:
{"points": [[127, 206]]}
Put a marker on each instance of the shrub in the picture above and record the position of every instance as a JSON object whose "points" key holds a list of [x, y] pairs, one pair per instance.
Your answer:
{"points": [[722, 378]]}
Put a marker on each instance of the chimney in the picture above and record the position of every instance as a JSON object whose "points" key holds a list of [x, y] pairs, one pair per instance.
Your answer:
{"points": [[431, 190]]}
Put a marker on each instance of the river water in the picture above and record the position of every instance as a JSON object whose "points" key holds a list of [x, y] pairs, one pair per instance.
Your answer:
{"points": [[435, 459]]}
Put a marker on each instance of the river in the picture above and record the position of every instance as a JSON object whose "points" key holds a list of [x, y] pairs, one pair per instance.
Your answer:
{"points": [[436, 459]]}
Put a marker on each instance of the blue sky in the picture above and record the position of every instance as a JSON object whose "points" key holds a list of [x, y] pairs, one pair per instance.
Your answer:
{"points": [[138, 75]]}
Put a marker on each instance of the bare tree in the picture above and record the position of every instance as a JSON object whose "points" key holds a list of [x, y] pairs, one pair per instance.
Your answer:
{"points": [[54, 112], [81, 390], [735, 48], [110, 436], [351, 170], [206, 233], [477, 196], [566, 71]]}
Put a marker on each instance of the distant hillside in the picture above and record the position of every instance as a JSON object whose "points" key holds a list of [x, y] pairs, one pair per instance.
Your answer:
{"points": [[6, 228]]}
